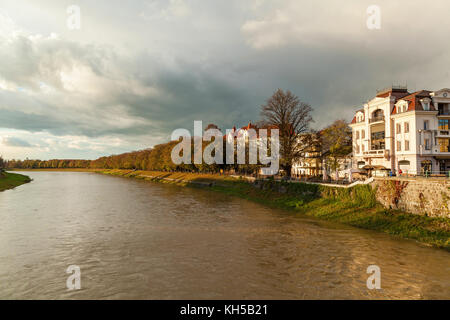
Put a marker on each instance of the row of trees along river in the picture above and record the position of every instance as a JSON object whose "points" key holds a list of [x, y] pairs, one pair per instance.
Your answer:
{"points": [[283, 110]]}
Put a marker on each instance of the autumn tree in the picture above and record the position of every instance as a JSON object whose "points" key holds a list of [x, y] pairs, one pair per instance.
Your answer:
{"points": [[336, 140], [292, 117]]}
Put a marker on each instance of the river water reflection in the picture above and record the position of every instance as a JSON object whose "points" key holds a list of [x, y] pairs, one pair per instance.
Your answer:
{"points": [[140, 240]]}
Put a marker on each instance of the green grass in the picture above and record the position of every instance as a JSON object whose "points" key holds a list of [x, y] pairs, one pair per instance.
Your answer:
{"points": [[12, 180], [355, 206]]}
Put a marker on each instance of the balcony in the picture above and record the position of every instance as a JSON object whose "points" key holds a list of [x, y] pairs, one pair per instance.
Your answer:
{"points": [[376, 119], [377, 153]]}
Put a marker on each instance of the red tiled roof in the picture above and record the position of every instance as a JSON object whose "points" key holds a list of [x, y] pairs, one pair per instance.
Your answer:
{"points": [[249, 126], [414, 103]]}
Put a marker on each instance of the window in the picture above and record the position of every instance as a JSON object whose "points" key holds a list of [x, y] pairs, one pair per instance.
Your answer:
{"points": [[363, 148], [426, 125], [377, 115], [399, 128], [444, 145], [406, 125], [402, 108], [444, 108], [363, 134], [426, 166], [426, 106], [399, 146], [443, 124], [357, 135], [377, 140], [406, 145], [427, 144], [360, 118], [357, 148], [404, 165]]}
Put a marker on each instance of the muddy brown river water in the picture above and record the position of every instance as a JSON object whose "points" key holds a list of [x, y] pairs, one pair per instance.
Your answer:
{"points": [[139, 240]]}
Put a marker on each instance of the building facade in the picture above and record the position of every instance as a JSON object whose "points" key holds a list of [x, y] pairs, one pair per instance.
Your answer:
{"points": [[398, 130], [310, 163]]}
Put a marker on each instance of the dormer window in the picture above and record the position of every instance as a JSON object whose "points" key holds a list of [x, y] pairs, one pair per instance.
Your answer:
{"points": [[426, 104], [359, 117], [402, 108]]}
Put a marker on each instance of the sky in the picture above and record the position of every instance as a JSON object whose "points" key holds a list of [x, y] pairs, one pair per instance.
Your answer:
{"points": [[133, 71]]}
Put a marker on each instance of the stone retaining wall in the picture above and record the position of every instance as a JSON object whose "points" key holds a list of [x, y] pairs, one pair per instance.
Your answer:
{"points": [[416, 195]]}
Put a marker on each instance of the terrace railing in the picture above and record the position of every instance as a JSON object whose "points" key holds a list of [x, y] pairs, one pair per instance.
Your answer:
{"points": [[376, 119]]}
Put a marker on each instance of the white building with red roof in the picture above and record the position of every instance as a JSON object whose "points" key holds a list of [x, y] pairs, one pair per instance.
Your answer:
{"points": [[398, 130]]}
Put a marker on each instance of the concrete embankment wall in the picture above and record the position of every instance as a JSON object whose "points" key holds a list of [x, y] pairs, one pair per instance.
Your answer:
{"points": [[420, 196]]}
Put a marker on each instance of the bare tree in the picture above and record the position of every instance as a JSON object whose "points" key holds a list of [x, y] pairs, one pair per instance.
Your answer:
{"points": [[293, 118]]}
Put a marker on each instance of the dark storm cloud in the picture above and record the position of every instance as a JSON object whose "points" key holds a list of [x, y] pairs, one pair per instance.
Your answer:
{"points": [[16, 142], [28, 121], [191, 94], [144, 69]]}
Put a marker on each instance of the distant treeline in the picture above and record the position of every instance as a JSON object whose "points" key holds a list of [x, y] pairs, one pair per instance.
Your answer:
{"points": [[157, 158], [48, 164]]}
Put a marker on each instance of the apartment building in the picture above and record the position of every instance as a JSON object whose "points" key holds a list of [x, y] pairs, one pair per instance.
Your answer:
{"points": [[398, 130]]}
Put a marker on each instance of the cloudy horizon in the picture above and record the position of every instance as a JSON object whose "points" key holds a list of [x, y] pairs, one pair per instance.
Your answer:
{"points": [[136, 71]]}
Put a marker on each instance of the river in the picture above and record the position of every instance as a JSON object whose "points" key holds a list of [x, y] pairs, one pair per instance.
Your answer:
{"points": [[138, 240]]}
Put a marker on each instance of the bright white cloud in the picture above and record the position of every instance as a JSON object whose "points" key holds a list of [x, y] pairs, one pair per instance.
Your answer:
{"points": [[321, 23]]}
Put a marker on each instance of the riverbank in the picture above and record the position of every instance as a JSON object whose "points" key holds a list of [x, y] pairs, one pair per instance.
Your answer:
{"points": [[11, 180], [355, 206]]}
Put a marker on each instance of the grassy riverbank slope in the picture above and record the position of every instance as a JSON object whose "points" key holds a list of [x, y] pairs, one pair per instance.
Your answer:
{"points": [[12, 180], [356, 206]]}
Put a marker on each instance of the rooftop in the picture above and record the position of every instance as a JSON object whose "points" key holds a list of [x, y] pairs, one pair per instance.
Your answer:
{"points": [[393, 88]]}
